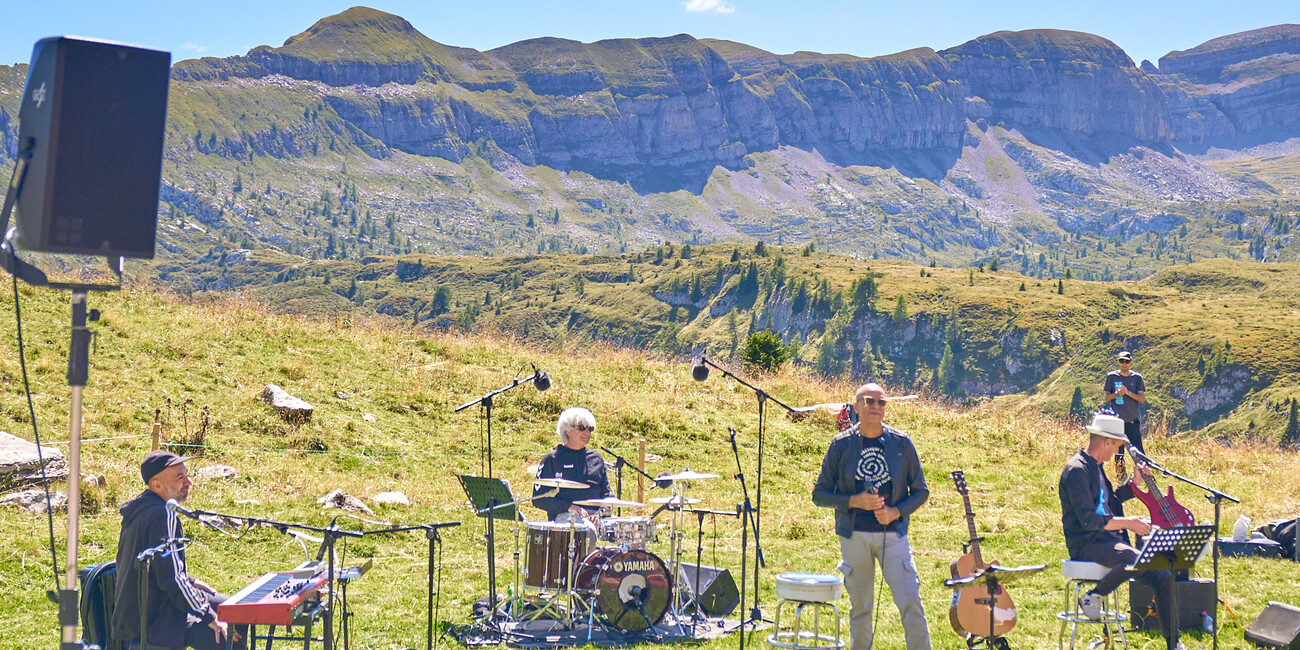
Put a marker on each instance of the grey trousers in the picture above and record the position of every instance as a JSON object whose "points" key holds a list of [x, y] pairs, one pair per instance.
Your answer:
{"points": [[861, 553]]}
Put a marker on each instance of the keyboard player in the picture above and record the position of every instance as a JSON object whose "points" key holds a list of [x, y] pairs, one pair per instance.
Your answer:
{"points": [[182, 609]]}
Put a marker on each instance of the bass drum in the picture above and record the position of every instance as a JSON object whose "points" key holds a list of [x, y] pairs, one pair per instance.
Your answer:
{"points": [[630, 589]]}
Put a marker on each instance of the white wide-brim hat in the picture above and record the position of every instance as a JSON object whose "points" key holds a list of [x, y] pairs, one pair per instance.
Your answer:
{"points": [[1107, 426]]}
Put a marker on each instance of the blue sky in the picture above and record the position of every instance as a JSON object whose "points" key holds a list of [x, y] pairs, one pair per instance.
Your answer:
{"points": [[1146, 30]]}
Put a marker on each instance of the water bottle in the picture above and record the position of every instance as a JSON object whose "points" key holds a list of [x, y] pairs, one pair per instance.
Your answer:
{"points": [[1119, 399], [1207, 622]]}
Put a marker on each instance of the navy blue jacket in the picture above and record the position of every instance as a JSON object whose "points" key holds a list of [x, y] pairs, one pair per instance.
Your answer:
{"points": [[837, 480]]}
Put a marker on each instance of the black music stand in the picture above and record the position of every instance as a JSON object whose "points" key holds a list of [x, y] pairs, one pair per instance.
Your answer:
{"points": [[1171, 549], [992, 577], [492, 500]]}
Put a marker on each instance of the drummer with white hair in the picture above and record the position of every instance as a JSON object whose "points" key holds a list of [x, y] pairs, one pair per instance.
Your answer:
{"points": [[571, 460]]}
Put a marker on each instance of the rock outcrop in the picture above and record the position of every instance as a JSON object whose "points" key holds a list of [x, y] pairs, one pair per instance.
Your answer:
{"points": [[20, 466]]}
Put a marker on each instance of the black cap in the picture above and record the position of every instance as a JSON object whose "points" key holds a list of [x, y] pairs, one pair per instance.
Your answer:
{"points": [[157, 461]]}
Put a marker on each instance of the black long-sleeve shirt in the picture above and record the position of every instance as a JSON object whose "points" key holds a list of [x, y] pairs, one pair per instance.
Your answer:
{"points": [[1084, 515], [146, 522], [581, 465]]}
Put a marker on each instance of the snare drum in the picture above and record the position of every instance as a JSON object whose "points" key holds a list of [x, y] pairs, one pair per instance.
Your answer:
{"points": [[628, 532], [554, 548]]}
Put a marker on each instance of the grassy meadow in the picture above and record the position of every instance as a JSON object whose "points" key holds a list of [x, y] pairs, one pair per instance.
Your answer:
{"points": [[182, 355]]}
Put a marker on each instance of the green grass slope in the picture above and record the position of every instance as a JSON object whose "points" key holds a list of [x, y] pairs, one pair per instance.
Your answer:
{"points": [[218, 352]]}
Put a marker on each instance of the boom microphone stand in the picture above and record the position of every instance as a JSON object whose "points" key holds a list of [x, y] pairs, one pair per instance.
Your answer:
{"points": [[621, 462], [701, 372], [540, 380], [431, 533], [1214, 496], [331, 534], [746, 512]]}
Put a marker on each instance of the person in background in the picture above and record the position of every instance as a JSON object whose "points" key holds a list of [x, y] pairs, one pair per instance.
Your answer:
{"points": [[1124, 391]]}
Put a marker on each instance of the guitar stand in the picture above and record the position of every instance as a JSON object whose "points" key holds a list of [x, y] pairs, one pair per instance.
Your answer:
{"points": [[994, 642]]}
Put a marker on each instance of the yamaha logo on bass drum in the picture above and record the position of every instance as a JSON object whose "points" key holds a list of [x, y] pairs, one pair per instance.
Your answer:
{"points": [[629, 566]]}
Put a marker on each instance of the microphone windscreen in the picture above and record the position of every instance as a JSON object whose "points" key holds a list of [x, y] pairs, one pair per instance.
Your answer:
{"points": [[543, 381], [700, 371]]}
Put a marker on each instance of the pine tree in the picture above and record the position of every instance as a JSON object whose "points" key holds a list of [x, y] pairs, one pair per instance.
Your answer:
{"points": [[1076, 404], [1292, 434]]}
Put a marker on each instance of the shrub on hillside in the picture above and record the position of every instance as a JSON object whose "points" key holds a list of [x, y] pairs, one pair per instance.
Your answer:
{"points": [[764, 351]]}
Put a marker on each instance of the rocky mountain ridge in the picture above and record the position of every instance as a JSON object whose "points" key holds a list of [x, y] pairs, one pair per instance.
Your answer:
{"points": [[661, 113]]}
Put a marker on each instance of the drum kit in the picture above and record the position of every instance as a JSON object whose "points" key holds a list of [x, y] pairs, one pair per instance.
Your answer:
{"points": [[600, 569]]}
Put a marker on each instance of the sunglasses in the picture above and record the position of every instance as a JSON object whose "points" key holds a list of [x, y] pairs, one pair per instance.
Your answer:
{"points": [[584, 428], [871, 401], [1125, 361]]}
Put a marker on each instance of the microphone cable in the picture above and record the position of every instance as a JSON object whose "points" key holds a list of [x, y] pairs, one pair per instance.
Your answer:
{"points": [[40, 457]]}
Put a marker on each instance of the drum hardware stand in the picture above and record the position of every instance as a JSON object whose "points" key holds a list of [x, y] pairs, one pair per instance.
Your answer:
{"points": [[435, 540], [621, 462], [1214, 496], [754, 512], [695, 605], [540, 380]]}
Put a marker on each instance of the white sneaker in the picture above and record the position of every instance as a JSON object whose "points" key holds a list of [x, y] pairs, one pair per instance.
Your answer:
{"points": [[1090, 605], [1180, 646]]}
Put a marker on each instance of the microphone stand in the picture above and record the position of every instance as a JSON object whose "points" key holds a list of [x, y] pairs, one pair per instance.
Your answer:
{"points": [[621, 462], [746, 511], [144, 563], [1214, 496], [330, 533], [430, 533], [486, 402], [757, 517]]}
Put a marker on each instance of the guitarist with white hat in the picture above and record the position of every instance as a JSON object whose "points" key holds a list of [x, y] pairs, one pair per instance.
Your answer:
{"points": [[1095, 527]]}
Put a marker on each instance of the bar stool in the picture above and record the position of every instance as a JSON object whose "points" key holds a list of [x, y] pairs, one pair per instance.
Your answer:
{"points": [[1079, 577], [813, 591]]}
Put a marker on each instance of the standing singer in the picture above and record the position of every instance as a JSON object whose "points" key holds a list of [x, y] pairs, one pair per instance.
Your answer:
{"points": [[872, 477]]}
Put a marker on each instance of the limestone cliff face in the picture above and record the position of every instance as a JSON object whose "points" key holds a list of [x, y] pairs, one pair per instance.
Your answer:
{"points": [[662, 113], [1063, 81], [1242, 87]]}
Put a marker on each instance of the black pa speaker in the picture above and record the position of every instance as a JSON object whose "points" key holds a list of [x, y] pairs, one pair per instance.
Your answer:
{"points": [[717, 593], [92, 121], [1194, 596], [1278, 626]]}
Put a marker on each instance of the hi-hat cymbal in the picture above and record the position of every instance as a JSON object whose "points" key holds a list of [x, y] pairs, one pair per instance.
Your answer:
{"points": [[558, 483], [675, 501], [685, 475], [608, 502]]}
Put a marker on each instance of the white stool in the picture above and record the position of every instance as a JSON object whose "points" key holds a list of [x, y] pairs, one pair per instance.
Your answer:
{"points": [[1087, 574], [807, 590]]}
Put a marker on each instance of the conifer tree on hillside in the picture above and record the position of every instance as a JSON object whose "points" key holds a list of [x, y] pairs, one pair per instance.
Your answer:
{"points": [[1292, 434]]}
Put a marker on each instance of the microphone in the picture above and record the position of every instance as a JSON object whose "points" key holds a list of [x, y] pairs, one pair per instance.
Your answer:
{"points": [[700, 371], [175, 506], [541, 380]]}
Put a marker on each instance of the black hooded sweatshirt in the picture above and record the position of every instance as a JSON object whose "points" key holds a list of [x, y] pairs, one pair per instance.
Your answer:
{"points": [[146, 522]]}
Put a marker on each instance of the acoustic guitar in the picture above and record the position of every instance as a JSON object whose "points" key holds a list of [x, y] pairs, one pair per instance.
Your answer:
{"points": [[969, 612], [1165, 511]]}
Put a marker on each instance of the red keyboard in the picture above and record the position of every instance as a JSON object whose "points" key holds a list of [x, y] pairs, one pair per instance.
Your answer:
{"points": [[273, 599]]}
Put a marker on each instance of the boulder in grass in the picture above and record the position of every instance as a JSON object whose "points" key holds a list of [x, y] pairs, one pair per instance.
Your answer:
{"points": [[392, 499], [19, 465], [369, 417], [214, 471], [291, 408], [344, 501], [33, 501]]}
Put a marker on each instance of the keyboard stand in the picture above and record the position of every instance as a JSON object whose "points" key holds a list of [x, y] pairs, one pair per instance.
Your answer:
{"points": [[318, 610]]}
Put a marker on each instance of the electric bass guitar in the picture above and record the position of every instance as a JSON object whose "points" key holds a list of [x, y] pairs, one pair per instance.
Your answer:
{"points": [[1165, 511], [969, 612]]}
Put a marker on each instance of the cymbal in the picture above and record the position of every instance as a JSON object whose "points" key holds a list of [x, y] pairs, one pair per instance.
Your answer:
{"points": [[608, 502], [685, 475], [676, 501], [558, 483]]}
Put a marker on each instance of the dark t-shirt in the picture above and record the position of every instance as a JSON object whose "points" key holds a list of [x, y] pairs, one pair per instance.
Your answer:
{"points": [[872, 474], [1128, 411]]}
